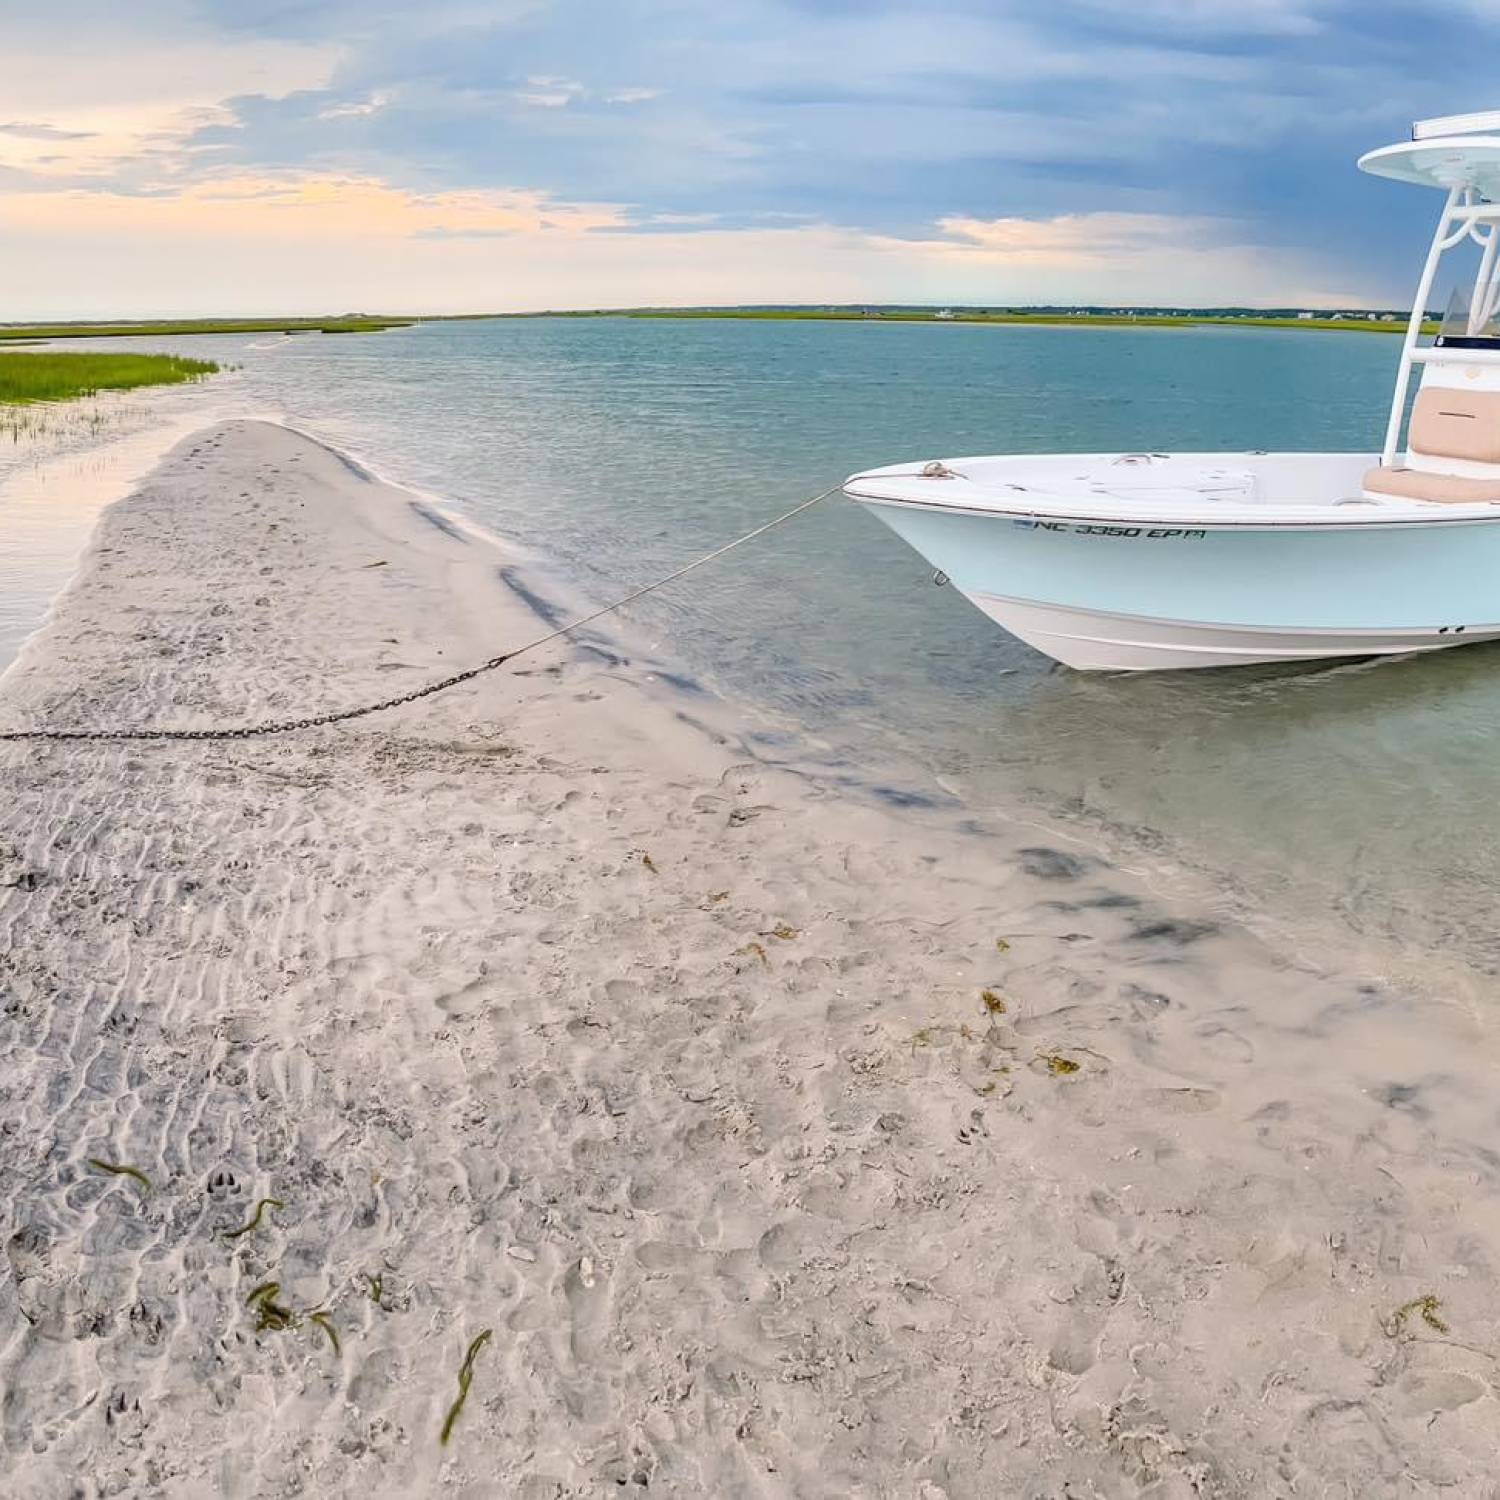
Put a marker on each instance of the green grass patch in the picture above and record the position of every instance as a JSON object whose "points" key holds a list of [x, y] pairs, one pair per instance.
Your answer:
{"points": [[11, 331], [25, 378]]}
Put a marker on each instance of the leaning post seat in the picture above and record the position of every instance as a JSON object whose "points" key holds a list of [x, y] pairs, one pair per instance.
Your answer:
{"points": [[1450, 430]]}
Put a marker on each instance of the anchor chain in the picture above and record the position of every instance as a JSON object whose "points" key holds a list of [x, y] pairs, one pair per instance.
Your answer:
{"points": [[343, 715]]}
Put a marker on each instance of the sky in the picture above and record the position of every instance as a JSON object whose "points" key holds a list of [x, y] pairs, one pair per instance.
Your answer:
{"points": [[200, 157]]}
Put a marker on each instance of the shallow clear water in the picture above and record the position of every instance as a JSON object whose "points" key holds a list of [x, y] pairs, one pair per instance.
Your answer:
{"points": [[615, 449], [59, 465]]}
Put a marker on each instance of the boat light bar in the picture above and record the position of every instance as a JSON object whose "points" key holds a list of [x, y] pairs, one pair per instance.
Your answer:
{"points": [[1485, 119]]}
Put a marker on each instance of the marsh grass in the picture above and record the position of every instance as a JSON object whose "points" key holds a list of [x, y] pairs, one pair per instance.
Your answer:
{"points": [[180, 326], [43, 422], [25, 378]]}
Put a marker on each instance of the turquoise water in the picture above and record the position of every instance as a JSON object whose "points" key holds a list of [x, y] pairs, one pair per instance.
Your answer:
{"points": [[615, 449]]}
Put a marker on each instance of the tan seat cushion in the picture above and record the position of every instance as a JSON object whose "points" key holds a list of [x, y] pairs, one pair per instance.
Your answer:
{"points": [[1444, 489], [1456, 424]]}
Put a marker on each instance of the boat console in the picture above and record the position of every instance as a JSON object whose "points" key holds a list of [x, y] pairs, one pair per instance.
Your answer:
{"points": [[1453, 429]]}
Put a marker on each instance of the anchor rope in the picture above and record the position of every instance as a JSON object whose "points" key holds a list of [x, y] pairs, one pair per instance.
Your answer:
{"points": [[343, 715]]}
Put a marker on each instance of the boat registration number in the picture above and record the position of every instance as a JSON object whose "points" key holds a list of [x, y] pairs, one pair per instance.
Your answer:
{"points": [[1150, 533]]}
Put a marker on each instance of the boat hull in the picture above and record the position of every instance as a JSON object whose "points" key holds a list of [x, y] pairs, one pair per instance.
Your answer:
{"points": [[1099, 641], [1150, 598]]}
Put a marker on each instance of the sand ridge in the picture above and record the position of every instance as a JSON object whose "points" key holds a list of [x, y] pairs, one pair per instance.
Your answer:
{"points": [[787, 1144]]}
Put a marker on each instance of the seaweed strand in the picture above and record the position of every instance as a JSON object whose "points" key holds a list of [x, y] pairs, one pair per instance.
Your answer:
{"points": [[254, 1223], [118, 1169], [324, 1322], [269, 1313], [1427, 1306], [465, 1377]]}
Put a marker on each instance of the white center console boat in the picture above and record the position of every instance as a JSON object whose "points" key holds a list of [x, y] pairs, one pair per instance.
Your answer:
{"points": [[1140, 561]]}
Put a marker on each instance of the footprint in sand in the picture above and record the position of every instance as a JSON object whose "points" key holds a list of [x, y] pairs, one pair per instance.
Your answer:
{"points": [[1098, 1224], [1224, 1043], [1147, 1004], [585, 1290], [1172, 932], [49, 1290], [1051, 864], [742, 779], [1431, 1392], [1183, 1101]]}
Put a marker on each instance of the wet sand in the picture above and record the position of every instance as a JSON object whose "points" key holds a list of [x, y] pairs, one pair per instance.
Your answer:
{"points": [[786, 1143]]}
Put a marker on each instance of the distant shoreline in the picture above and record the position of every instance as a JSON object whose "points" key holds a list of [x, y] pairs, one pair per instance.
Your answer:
{"points": [[1045, 318], [1390, 321]]}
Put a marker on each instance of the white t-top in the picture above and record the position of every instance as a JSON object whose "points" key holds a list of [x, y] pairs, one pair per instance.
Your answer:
{"points": [[1471, 161]]}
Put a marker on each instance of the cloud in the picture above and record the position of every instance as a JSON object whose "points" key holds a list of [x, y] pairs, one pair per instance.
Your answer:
{"points": [[1086, 239], [1235, 17], [257, 244], [952, 139], [123, 96], [29, 130], [358, 109], [308, 207], [551, 93], [1123, 259], [66, 67], [884, 115]]}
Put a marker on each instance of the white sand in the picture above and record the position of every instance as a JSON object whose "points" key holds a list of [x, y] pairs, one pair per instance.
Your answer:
{"points": [[561, 1019]]}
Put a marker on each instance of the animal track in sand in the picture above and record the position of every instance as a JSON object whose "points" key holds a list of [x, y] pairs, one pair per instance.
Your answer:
{"points": [[147, 1324], [223, 1184], [122, 1414]]}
